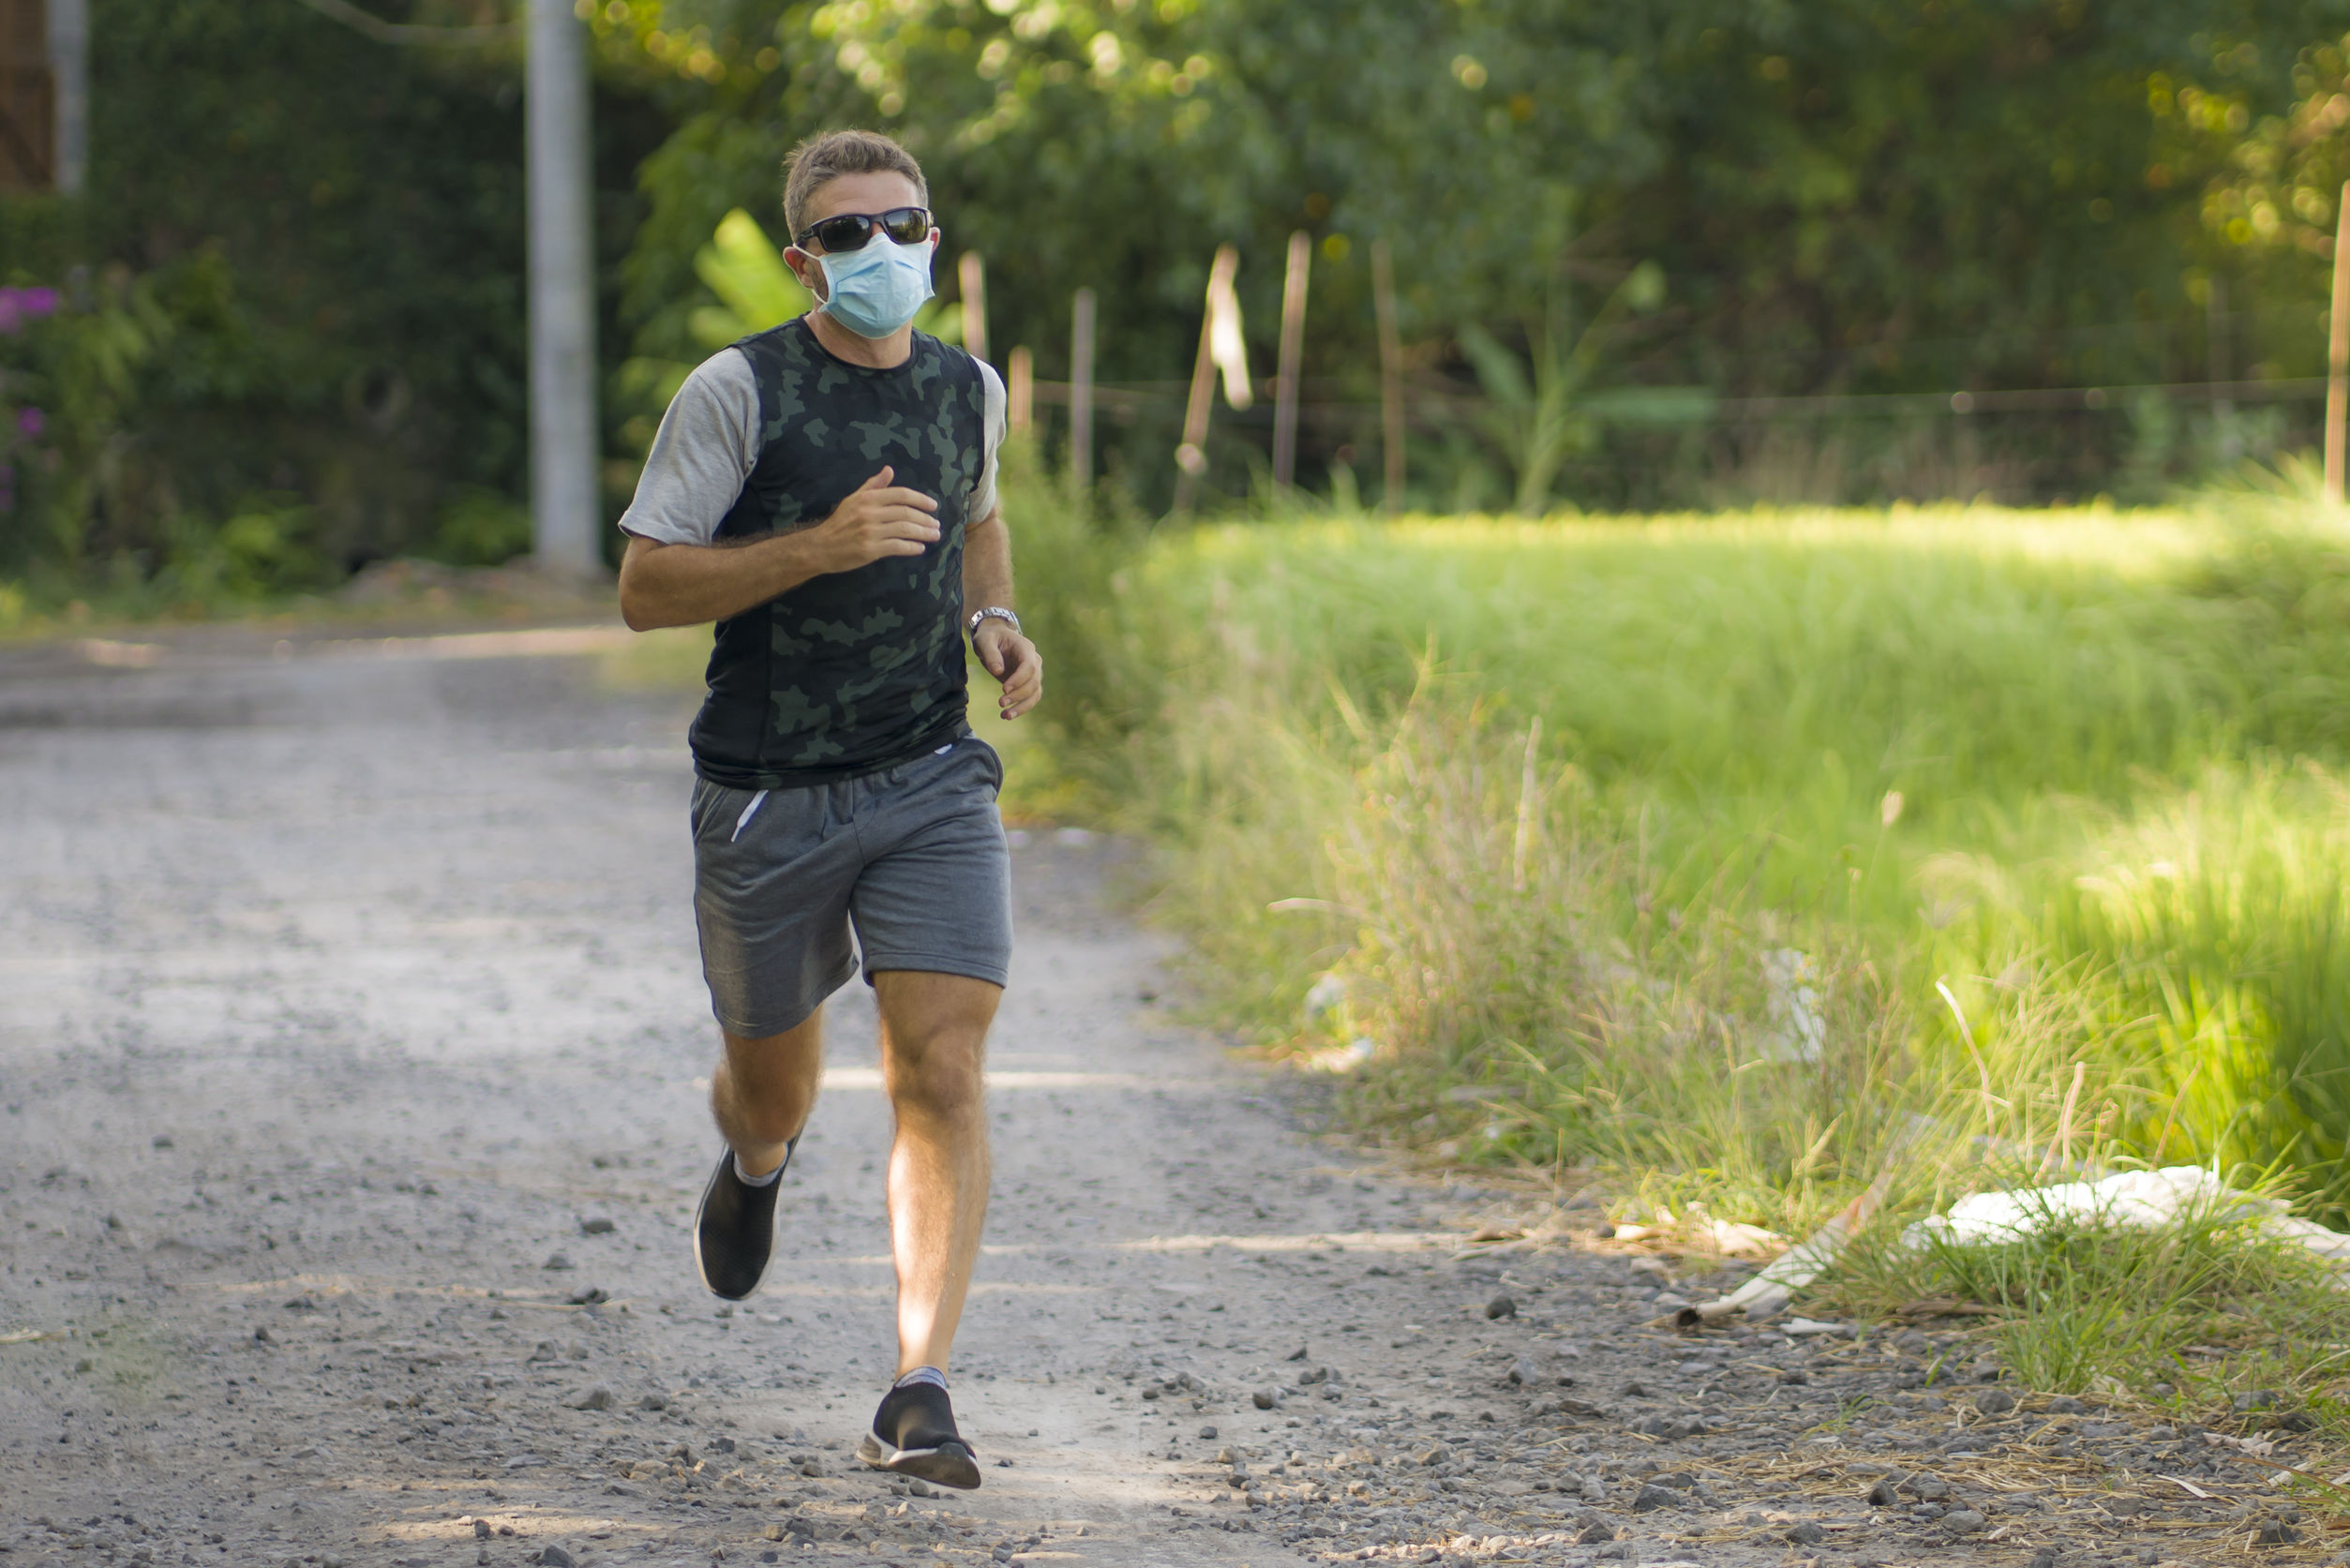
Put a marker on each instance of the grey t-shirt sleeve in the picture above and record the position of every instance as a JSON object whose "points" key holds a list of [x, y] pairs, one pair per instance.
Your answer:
{"points": [[708, 443], [993, 419]]}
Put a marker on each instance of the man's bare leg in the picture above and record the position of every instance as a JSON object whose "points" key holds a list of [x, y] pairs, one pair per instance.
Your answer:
{"points": [[934, 1047], [761, 1093]]}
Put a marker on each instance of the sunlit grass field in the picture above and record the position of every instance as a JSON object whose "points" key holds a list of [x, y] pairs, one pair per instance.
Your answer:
{"points": [[1572, 810]]}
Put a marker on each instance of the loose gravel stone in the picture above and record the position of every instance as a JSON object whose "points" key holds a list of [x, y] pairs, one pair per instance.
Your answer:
{"points": [[1962, 1521], [1501, 1306], [1995, 1401]]}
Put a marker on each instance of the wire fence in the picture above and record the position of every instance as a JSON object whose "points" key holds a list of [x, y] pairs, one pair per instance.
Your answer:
{"points": [[2020, 444]]}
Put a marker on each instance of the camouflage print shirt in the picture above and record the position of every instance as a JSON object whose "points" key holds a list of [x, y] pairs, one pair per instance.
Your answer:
{"points": [[851, 672]]}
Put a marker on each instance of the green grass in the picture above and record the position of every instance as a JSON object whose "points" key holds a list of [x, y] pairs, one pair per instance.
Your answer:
{"points": [[1514, 823], [2086, 1304]]}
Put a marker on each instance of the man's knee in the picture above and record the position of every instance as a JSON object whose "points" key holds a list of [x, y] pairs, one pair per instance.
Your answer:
{"points": [[773, 1077], [940, 1076]]}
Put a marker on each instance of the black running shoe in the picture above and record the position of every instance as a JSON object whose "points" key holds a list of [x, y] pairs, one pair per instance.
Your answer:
{"points": [[734, 1229], [914, 1434]]}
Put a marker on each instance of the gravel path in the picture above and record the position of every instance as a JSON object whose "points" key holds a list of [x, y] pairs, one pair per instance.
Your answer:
{"points": [[351, 1056]]}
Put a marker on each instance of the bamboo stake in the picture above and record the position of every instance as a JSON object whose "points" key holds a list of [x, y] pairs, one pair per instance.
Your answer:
{"points": [[1382, 286], [2337, 353], [1192, 455], [1293, 348], [1081, 393], [972, 269], [1019, 389], [2215, 338]]}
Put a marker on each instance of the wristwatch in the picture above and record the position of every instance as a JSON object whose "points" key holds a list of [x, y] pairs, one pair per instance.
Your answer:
{"points": [[993, 612]]}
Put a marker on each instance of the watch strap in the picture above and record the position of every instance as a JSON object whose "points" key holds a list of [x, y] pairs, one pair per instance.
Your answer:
{"points": [[992, 612]]}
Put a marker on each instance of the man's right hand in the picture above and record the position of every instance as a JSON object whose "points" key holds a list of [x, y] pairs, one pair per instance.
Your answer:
{"points": [[875, 520], [685, 585]]}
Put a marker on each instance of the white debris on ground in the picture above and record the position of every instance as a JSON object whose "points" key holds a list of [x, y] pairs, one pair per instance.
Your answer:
{"points": [[1342, 1058], [2141, 1198], [2145, 1199], [1328, 994]]}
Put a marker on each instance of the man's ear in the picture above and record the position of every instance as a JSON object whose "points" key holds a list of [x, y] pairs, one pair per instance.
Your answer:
{"points": [[808, 270]]}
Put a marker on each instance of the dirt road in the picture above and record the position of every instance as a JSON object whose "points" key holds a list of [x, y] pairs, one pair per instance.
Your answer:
{"points": [[351, 1077]]}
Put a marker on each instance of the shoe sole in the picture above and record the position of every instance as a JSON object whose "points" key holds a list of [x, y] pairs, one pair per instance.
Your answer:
{"points": [[950, 1464], [700, 1268]]}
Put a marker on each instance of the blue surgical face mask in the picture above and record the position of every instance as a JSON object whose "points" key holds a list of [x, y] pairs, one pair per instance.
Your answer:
{"points": [[876, 288]]}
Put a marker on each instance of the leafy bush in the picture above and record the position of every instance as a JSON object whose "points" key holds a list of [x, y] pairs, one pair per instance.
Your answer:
{"points": [[69, 366]]}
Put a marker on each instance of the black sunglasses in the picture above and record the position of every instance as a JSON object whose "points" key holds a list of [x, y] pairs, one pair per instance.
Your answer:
{"points": [[853, 231]]}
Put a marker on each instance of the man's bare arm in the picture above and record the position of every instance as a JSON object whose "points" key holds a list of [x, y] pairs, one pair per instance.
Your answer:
{"points": [[1009, 656], [685, 585], [987, 562]]}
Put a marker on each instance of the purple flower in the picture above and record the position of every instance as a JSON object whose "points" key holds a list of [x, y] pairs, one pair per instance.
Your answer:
{"points": [[31, 421], [19, 306]]}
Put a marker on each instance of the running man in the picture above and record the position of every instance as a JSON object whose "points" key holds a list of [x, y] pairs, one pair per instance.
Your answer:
{"points": [[825, 491]]}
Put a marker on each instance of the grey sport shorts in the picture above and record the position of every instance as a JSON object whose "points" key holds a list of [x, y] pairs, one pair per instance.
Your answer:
{"points": [[912, 858]]}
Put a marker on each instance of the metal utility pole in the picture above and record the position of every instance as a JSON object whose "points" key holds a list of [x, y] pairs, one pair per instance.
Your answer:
{"points": [[566, 513], [69, 93]]}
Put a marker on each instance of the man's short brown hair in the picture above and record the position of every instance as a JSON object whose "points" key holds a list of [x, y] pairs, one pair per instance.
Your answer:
{"points": [[825, 158]]}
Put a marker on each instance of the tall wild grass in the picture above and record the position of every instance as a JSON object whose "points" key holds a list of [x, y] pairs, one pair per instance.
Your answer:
{"points": [[1645, 843]]}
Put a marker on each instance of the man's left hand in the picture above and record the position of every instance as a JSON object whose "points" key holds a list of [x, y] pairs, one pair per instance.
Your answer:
{"points": [[1013, 660]]}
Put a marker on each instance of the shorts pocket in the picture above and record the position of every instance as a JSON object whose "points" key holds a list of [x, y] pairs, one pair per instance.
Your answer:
{"points": [[714, 809], [994, 765]]}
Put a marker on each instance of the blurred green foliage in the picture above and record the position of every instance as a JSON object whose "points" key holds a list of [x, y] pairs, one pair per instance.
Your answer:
{"points": [[320, 234], [1848, 196], [303, 249], [1852, 191]]}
